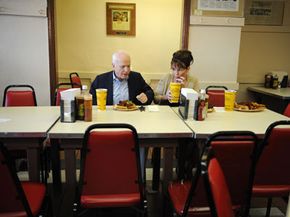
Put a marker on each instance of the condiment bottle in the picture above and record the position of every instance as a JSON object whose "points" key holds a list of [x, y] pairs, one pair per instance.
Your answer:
{"points": [[275, 82], [88, 106], [80, 103], [268, 80], [201, 111]]}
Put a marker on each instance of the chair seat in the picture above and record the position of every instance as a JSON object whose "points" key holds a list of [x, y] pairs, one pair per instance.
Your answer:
{"points": [[34, 193], [271, 190], [107, 200], [178, 193]]}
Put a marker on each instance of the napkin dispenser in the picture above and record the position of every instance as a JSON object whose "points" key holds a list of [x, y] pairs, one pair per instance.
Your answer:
{"points": [[188, 103], [68, 105]]}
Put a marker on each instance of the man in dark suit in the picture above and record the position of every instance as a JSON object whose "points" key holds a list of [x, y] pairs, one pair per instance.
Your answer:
{"points": [[122, 83]]}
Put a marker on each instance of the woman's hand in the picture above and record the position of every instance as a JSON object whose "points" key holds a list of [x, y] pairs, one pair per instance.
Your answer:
{"points": [[168, 95], [181, 80]]}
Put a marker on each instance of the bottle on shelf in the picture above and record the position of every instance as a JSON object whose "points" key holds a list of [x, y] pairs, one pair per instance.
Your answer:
{"points": [[275, 84]]}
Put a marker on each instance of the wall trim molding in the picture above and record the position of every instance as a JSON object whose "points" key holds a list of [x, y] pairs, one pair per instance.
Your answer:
{"points": [[217, 21], [23, 7], [150, 77]]}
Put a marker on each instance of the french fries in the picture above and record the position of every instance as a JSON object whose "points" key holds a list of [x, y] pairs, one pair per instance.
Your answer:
{"points": [[249, 106]]}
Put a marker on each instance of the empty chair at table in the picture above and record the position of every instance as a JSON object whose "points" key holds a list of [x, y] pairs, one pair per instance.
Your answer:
{"points": [[216, 95], [19, 95], [110, 172], [75, 80], [287, 111], [272, 178], [236, 151], [59, 88], [19, 199], [218, 194]]}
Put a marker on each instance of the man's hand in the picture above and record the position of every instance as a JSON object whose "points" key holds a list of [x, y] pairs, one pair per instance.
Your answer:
{"points": [[142, 98]]}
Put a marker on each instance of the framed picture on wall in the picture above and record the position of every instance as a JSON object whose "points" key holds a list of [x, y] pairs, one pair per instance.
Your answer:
{"points": [[227, 8], [121, 19], [261, 12]]}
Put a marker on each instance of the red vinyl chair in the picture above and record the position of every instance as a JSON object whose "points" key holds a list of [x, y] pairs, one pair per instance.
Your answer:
{"points": [[216, 95], [236, 151], [18, 199], [287, 111], [110, 172], [75, 80], [217, 189], [59, 88], [19, 95], [272, 178]]}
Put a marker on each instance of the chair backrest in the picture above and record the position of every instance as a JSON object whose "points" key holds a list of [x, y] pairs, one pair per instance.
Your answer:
{"points": [[236, 151], [216, 95], [12, 197], [273, 164], [110, 161], [217, 189], [59, 88], [287, 111], [19, 95], [75, 80]]}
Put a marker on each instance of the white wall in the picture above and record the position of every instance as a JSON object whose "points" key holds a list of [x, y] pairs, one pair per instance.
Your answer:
{"points": [[24, 55], [215, 44]]}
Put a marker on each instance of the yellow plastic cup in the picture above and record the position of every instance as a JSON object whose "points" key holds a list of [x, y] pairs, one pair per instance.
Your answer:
{"points": [[175, 92], [230, 98], [101, 99]]}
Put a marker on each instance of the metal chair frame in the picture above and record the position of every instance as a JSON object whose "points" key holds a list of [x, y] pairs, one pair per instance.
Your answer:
{"points": [[57, 92], [261, 152], [74, 83], [19, 86], [214, 89], [210, 191], [224, 136], [21, 197], [142, 208]]}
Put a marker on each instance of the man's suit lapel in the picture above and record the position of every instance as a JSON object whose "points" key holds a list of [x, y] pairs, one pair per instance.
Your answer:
{"points": [[130, 87], [110, 88]]}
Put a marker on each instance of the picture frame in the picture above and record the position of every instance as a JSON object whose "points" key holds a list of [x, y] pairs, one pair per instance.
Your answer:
{"points": [[121, 19], [261, 12], [218, 8]]}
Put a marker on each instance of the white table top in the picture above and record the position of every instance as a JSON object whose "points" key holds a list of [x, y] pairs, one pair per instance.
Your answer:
{"points": [[27, 121], [164, 123], [256, 122], [283, 93]]}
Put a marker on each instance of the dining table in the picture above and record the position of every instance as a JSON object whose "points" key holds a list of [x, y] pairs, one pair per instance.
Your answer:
{"points": [[157, 126], [25, 128], [275, 99], [221, 120]]}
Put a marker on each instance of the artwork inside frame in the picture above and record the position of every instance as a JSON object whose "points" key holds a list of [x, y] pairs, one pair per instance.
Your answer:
{"points": [[264, 12], [121, 19], [220, 8]]}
